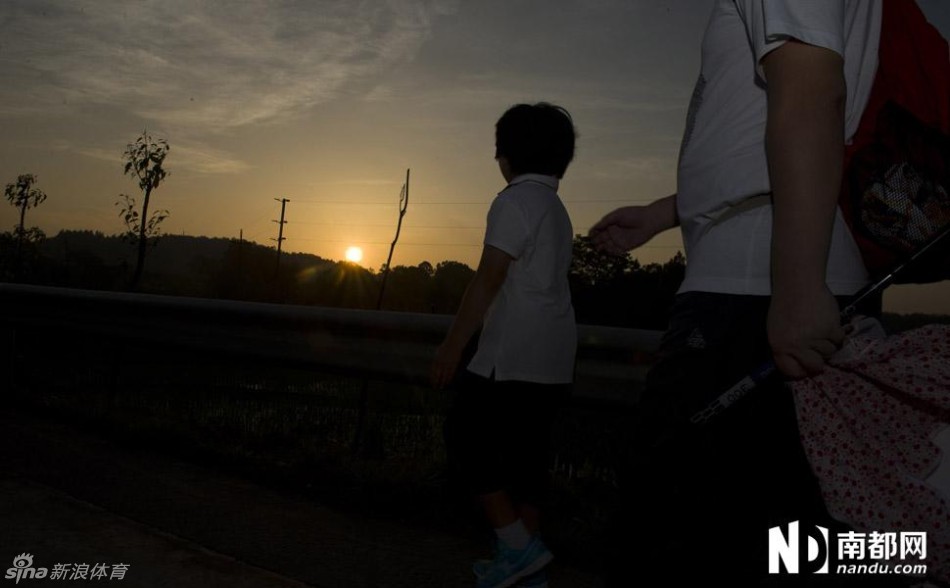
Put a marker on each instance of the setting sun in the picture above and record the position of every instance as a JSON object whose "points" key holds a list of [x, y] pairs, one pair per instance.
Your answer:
{"points": [[354, 254]]}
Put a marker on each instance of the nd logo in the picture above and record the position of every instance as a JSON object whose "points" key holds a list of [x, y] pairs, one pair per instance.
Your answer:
{"points": [[786, 550]]}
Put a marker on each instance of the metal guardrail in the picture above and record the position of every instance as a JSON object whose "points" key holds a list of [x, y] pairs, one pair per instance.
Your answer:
{"points": [[383, 345]]}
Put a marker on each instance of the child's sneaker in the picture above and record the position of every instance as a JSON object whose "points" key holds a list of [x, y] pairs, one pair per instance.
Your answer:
{"points": [[511, 565]]}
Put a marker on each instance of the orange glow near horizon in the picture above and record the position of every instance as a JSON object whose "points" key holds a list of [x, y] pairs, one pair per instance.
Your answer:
{"points": [[354, 254]]}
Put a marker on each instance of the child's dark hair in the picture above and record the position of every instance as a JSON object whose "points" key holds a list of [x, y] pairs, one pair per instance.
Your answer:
{"points": [[535, 138]]}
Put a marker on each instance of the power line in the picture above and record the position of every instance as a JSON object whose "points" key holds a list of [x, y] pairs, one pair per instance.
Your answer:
{"points": [[486, 202], [363, 242], [259, 223], [452, 227]]}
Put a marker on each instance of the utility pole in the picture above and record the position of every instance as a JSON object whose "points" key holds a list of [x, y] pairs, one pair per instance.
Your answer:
{"points": [[280, 232]]}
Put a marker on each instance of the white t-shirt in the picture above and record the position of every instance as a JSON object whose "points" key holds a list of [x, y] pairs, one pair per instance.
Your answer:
{"points": [[529, 332], [723, 158]]}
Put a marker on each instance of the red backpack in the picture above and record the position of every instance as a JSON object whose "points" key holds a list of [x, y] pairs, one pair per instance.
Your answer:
{"points": [[895, 191]]}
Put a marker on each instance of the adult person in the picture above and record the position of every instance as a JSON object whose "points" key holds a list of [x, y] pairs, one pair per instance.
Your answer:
{"points": [[769, 260]]}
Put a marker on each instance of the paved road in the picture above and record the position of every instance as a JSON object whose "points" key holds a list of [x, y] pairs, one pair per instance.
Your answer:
{"points": [[69, 497]]}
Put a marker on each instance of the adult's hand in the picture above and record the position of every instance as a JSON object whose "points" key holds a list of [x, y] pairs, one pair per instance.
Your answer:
{"points": [[804, 330], [631, 226]]}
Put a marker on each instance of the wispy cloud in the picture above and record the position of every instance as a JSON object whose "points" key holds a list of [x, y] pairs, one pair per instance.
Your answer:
{"points": [[204, 159], [200, 66], [190, 156]]}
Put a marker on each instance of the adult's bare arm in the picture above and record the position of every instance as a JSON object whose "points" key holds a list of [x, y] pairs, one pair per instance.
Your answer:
{"points": [[805, 143]]}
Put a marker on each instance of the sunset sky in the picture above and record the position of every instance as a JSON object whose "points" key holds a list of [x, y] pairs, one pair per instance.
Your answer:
{"points": [[327, 103]]}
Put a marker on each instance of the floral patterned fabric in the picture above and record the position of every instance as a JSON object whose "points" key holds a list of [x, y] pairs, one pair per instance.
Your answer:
{"points": [[868, 426]]}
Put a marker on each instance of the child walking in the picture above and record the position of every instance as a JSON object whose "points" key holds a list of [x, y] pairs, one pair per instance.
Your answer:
{"points": [[498, 432]]}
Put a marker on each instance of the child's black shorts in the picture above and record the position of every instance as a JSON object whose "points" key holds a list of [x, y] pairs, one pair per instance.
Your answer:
{"points": [[498, 435]]}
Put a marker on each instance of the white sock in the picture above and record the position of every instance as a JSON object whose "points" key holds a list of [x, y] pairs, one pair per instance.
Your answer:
{"points": [[515, 535]]}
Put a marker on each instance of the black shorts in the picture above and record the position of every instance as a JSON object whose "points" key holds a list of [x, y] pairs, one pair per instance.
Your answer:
{"points": [[498, 435], [709, 494]]}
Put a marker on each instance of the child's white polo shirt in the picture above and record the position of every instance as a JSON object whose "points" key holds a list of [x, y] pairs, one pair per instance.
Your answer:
{"points": [[529, 332]]}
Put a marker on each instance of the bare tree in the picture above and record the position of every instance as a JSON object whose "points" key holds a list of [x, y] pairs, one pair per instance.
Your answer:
{"points": [[24, 196], [144, 161]]}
